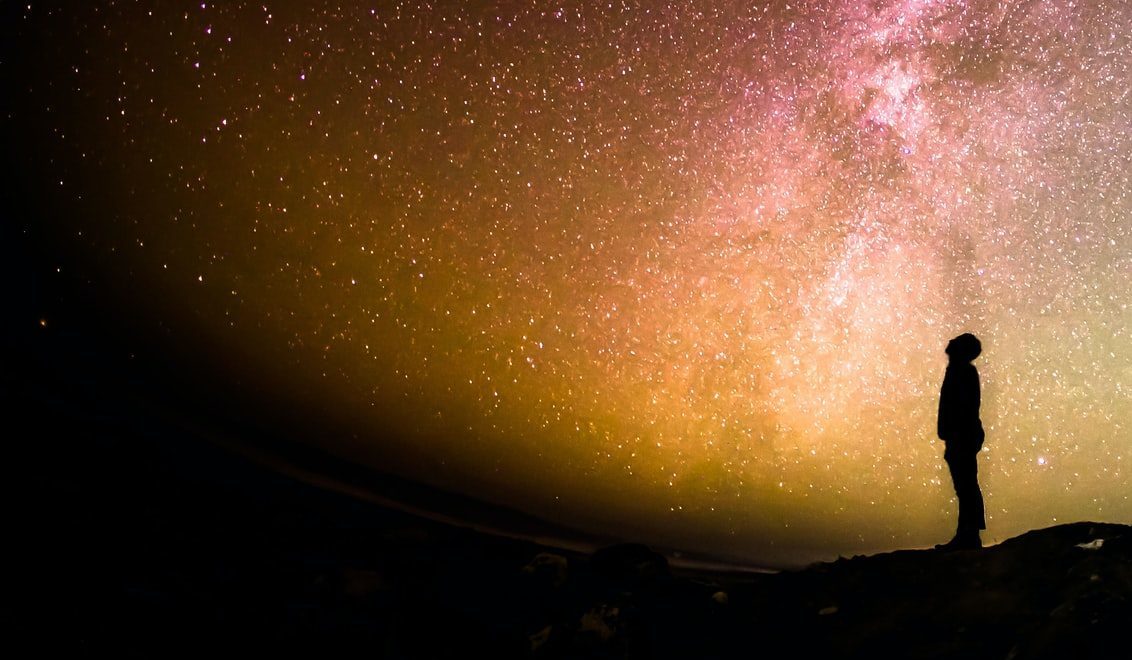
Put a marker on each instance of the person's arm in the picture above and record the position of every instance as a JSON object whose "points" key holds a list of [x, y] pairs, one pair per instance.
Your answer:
{"points": [[978, 392], [944, 418], [971, 399]]}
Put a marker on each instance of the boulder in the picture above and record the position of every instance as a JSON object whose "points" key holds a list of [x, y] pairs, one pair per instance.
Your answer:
{"points": [[548, 569]]}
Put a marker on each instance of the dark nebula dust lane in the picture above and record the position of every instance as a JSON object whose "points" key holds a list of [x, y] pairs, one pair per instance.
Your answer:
{"points": [[682, 271]]}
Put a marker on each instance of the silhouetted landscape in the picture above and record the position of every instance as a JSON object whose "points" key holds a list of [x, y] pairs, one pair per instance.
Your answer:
{"points": [[246, 557]]}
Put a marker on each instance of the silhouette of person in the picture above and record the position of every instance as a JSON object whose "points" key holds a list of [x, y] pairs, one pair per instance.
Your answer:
{"points": [[961, 430]]}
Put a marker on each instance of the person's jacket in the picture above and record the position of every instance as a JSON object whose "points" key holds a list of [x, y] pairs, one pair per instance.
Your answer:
{"points": [[959, 406]]}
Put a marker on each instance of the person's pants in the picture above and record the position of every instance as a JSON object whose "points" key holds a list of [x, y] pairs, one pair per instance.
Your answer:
{"points": [[965, 475]]}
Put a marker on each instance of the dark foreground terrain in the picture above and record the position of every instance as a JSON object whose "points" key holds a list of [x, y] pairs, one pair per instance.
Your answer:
{"points": [[155, 558]]}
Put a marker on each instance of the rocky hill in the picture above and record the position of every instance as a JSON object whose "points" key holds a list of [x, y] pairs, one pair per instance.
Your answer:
{"points": [[142, 558]]}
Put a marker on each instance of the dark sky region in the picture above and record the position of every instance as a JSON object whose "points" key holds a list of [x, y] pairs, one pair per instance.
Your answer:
{"points": [[678, 271]]}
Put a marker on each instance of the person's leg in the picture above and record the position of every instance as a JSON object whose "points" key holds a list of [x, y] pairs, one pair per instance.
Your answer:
{"points": [[964, 476], [977, 515]]}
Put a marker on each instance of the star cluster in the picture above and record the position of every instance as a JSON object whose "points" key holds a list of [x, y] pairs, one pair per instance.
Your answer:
{"points": [[681, 271]]}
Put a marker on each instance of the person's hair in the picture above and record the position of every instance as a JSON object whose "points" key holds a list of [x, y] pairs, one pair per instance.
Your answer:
{"points": [[965, 347]]}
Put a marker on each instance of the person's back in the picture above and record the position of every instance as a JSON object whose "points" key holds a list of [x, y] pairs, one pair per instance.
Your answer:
{"points": [[959, 402]]}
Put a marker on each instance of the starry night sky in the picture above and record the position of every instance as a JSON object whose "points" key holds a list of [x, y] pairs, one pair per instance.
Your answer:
{"points": [[679, 271]]}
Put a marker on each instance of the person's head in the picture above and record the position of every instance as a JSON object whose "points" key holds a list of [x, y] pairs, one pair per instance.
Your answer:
{"points": [[964, 348]]}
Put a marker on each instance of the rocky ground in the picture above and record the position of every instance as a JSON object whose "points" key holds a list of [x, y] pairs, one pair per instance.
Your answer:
{"points": [[150, 561]]}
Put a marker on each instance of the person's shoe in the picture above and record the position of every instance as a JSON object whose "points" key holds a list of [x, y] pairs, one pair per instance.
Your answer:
{"points": [[962, 541]]}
